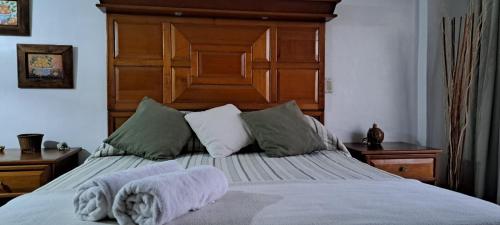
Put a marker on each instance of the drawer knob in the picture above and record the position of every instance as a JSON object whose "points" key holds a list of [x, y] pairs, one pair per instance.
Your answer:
{"points": [[403, 169], [4, 188]]}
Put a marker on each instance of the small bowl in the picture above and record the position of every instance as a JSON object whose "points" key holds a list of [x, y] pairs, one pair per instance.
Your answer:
{"points": [[30, 143]]}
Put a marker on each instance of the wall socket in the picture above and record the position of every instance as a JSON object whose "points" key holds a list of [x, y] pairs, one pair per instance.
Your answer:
{"points": [[328, 86]]}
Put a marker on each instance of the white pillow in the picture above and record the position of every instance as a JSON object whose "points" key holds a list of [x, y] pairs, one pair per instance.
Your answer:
{"points": [[220, 130]]}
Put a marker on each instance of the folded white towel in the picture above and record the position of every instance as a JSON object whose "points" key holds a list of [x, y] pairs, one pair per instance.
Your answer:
{"points": [[94, 198], [160, 199]]}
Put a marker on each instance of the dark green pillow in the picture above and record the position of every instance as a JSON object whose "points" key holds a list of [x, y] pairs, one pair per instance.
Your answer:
{"points": [[282, 131], [154, 132]]}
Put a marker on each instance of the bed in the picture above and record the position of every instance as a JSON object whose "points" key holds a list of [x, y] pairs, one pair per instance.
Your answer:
{"points": [[191, 55], [326, 187]]}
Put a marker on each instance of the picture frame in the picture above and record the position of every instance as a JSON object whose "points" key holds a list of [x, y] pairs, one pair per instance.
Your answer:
{"points": [[45, 66], [15, 17]]}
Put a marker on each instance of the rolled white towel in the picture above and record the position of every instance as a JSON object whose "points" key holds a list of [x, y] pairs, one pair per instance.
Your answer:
{"points": [[94, 199], [160, 199]]}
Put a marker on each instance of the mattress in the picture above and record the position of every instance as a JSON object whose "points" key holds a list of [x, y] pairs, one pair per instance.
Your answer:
{"points": [[326, 187]]}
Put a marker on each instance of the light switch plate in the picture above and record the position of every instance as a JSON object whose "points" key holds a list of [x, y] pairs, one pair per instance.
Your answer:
{"points": [[329, 86]]}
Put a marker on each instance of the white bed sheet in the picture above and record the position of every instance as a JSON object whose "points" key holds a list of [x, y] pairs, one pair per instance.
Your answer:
{"points": [[323, 188]]}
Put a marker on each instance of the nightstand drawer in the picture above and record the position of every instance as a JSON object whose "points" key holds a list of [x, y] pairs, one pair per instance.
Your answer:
{"points": [[421, 169], [16, 180], [403, 159]]}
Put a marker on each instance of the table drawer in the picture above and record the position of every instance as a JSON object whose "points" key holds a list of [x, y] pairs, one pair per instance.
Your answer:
{"points": [[421, 169], [16, 180]]}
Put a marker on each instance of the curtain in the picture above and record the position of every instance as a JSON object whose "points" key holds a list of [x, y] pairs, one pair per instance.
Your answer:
{"points": [[481, 150]]}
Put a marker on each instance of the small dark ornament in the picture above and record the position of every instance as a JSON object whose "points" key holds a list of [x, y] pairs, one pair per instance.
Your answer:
{"points": [[375, 136]]}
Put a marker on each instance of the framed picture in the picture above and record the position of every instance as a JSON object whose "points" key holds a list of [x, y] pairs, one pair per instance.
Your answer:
{"points": [[45, 66], [14, 17]]}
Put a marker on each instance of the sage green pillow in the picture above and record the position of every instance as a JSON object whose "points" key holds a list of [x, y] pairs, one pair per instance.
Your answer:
{"points": [[282, 131], [154, 132]]}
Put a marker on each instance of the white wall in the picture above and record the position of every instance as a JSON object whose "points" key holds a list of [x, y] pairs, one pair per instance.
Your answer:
{"points": [[77, 116], [371, 56]]}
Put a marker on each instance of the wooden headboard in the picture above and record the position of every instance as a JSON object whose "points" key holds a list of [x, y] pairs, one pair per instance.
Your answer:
{"points": [[191, 57]]}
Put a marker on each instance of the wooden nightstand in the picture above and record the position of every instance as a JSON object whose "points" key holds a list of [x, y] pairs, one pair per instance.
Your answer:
{"points": [[403, 159], [21, 173]]}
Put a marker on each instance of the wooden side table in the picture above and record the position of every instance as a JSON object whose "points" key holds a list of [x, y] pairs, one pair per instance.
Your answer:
{"points": [[403, 159], [22, 173]]}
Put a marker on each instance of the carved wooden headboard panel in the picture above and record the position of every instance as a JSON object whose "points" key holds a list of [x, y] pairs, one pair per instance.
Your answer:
{"points": [[199, 63]]}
